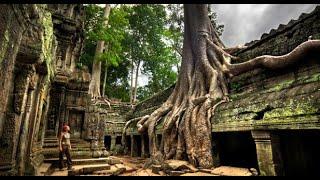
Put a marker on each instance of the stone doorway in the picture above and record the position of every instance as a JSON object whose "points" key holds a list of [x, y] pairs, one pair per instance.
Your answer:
{"points": [[128, 145], [300, 152], [107, 142], [236, 149], [75, 121]]}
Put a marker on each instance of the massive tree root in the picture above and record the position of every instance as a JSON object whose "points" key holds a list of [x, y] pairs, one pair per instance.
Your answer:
{"points": [[201, 87]]}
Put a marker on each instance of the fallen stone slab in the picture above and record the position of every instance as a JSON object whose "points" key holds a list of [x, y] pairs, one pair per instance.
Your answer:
{"points": [[90, 169], [170, 165], [145, 172], [113, 160], [113, 171], [206, 170], [232, 171], [198, 174], [161, 173], [176, 173], [189, 168], [156, 169], [121, 167]]}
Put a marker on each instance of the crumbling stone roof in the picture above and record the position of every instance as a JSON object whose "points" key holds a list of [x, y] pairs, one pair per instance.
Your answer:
{"points": [[281, 29]]}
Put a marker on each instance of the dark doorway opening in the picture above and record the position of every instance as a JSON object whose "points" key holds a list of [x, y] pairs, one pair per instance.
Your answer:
{"points": [[118, 140], [137, 139], [107, 142], [300, 152], [146, 145], [128, 145], [236, 149]]}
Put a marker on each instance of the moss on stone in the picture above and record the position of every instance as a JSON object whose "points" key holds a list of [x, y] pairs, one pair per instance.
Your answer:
{"points": [[280, 86], [47, 38], [4, 45], [292, 110]]}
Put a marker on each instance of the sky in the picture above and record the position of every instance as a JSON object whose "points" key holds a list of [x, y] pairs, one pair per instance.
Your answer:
{"points": [[246, 22]]}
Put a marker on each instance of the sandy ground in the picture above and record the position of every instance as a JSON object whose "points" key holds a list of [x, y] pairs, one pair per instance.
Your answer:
{"points": [[134, 167]]}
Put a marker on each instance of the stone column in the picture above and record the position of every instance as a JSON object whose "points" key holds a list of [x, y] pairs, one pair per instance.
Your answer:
{"points": [[134, 147], [113, 143], [38, 116], [143, 148], [62, 109], [44, 118], [14, 118], [23, 140], [268, 153]]}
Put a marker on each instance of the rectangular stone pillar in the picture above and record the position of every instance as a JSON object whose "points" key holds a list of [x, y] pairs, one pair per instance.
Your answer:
{"points": [[134, 147], [268, 153], [113, 143], [143, 149], [62, 110]]}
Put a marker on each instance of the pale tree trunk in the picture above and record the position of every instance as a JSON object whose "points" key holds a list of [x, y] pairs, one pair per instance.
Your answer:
{"points": [[131, 88], [94, 87], [105, 79], [105, 74], [201, 87], [136, 82]]}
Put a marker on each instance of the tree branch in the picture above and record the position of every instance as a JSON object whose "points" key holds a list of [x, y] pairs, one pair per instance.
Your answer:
{"points": [[311, 47]]}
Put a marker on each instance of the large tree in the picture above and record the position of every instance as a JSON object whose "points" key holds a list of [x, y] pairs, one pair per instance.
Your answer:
{"points": [[112, 58], [201, 87], [94, 87], [145, 40]]}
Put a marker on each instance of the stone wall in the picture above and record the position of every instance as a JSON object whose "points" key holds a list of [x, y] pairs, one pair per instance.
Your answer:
{"points": [[39, 47], [149, 105], [261, 97], [27, 46]]}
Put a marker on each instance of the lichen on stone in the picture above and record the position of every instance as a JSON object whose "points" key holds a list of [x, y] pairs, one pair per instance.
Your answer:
{"points": [[4, 45], [47, 38]]}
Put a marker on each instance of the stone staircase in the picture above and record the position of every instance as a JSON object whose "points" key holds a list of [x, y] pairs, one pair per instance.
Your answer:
{"points": [[81, 158], [81, 166], [80, 148]]}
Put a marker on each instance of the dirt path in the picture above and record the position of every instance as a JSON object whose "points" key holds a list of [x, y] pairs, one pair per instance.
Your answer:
{"points": [[133, 166]]}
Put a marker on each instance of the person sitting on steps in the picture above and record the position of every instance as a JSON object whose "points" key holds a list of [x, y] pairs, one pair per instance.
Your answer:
{"points": [[65, 147]]}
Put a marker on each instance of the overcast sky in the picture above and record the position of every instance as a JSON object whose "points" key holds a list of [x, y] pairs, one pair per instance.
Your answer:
{"points": [[246, 22]]}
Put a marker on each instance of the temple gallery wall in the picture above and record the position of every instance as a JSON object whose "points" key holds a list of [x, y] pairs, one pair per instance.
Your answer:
{"points": [[41, 87]]}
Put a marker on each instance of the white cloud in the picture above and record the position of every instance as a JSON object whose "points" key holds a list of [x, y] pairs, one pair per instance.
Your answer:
{"points": [[246, 22]]}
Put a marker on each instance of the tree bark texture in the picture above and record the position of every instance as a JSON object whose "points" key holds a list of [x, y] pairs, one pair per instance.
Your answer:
{"points": [[200, 88]]}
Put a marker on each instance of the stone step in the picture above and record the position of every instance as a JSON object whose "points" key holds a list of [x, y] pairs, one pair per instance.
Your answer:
{"points": [[45, 169], [71, 140], [80, 161], [74, 154], [87, 169], [72, 145]]}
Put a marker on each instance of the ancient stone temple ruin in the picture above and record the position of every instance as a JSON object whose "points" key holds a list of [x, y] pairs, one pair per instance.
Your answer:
{"points": [[271, 123], [41, 85]]}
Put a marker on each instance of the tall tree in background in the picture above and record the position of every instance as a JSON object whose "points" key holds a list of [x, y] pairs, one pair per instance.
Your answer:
{"points": [[112, 59], [94, 87], [175, 29], [147, 25], [213, 19], [201, 87], [115, 34]]}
